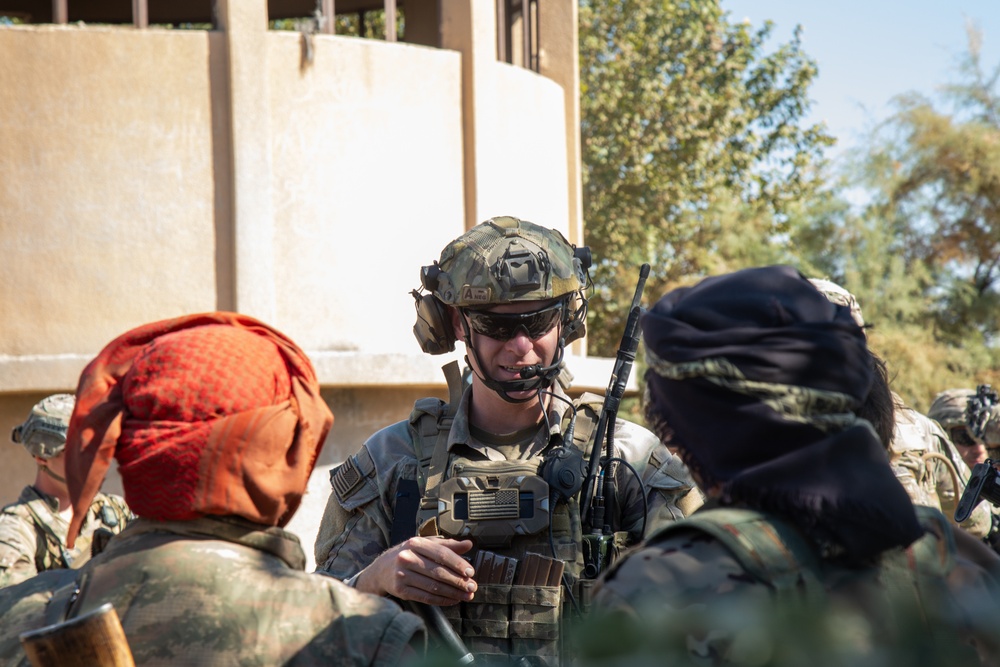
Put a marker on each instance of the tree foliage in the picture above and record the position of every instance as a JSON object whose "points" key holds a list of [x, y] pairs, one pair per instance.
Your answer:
{"points": [[935, 170], [919, 247], [694, 149]]}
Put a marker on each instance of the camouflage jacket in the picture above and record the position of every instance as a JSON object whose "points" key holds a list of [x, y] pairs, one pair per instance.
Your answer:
{"points": [[758, 592], [925, 460], [33, 534], [356, 530], [216, 591]]}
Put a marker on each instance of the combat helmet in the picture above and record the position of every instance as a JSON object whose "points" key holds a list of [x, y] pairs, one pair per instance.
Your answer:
{"points": [[43, 434], [503, 260], [840, 296], [951, 409], [948, 407]]}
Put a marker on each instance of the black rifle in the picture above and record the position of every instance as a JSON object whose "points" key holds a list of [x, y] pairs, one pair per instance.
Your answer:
{"points": [[985, 480], [598, 540]]}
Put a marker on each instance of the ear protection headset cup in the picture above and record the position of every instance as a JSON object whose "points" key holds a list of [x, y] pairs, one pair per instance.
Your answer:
{"points": [[575, 323], [433, 328]]}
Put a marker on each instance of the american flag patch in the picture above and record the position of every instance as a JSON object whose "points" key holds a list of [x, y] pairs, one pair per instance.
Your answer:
{"points": [[345, 479], [502, 504]]}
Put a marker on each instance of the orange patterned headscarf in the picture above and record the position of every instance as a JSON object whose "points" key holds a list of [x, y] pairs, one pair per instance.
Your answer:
{"points": [[215, 413]]}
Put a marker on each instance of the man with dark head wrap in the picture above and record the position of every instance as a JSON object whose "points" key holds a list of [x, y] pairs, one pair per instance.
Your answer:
{"points": [[216, 421], [808, 546], [922, 455]]}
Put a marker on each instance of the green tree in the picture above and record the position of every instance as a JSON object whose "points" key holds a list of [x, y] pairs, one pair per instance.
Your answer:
{"points": [[935, 169], [694, 149], [920, 249]]}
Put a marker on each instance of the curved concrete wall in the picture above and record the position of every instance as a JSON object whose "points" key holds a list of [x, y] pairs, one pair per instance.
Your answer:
{"points": [[107, 183], [367, 156], [521, 155], [118, 204]]}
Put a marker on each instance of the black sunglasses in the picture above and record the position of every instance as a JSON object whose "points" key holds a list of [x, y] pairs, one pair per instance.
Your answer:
{"points": [[504, 326], [960, 436]]}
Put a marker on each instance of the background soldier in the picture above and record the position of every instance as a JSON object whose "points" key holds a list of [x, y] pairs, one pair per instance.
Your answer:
{"points": [[513, 293], [949, 410], [922, 455], [808, 549], [33, 529], [216, 421]]}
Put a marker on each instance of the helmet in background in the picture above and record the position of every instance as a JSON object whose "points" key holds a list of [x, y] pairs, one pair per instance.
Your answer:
{"points": [[44, 432], [840, 296]]}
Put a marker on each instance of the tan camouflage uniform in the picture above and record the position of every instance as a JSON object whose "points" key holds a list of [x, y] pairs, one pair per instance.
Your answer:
{"points": [[33, 534], [918, 445], [219, 591], [356, 531]]}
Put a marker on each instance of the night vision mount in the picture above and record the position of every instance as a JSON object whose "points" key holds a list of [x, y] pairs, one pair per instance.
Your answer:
{"points": [[985, 479]]}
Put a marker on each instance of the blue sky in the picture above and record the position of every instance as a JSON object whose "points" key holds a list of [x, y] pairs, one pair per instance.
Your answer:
{"points": [[868, 52]]}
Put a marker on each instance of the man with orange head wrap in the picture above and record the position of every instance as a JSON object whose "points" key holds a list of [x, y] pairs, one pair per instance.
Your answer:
{"points": [[216, 422]]}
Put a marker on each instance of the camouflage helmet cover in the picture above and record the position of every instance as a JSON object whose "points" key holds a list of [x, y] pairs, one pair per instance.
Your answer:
{"points": [[948, 407], [841, 296], [43, 434], [504, 260]]}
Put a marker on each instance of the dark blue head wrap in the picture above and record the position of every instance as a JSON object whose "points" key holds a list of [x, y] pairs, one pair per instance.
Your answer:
{"points": [[754, 375]]}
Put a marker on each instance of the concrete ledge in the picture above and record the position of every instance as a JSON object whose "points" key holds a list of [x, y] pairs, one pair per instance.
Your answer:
{"points": [[60, 372], [41, 372]]}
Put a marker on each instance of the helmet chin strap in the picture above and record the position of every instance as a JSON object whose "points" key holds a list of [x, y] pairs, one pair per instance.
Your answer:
{"points": [[48, 471], [533, 378]]}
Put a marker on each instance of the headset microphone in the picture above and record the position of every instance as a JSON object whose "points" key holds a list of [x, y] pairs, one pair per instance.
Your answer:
{"points": [[537, 370]]}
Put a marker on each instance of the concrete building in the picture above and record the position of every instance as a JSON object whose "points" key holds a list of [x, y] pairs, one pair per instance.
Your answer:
{"points": [[299, 177]]}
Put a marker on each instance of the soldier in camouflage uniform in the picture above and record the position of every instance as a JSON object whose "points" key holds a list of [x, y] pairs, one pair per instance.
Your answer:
{"points": [[513, 293], [33, 529], [216, 429], [808, 550], [923, 457], [949, 410], [931, 468]]}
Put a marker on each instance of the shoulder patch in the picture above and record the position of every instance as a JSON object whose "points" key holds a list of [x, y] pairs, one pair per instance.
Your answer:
{"points": [[350, 480], [108, 516], [345, 479]]}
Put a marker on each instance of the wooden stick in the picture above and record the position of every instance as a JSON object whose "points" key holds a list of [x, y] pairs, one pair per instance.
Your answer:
{"points": [[95, 639]]}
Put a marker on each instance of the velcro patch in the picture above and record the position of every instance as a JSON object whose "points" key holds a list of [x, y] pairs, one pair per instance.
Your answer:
{"points": [[108, 517], [345, 479], [476, 294]]}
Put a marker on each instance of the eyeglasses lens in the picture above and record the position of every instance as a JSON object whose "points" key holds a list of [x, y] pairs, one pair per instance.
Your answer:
{"points": [[960, 436], [504, 326], [42, 438]]}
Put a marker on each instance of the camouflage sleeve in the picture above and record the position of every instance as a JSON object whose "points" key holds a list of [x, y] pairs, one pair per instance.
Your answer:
{"points": [[376, 630], [122, 514], [17, 550], [22, 609], [356, 523], [670, 491], [349, 540], [679, 600]]}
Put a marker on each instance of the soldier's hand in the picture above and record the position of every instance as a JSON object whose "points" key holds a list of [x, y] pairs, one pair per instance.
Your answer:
{"points": [[423, 569]]}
